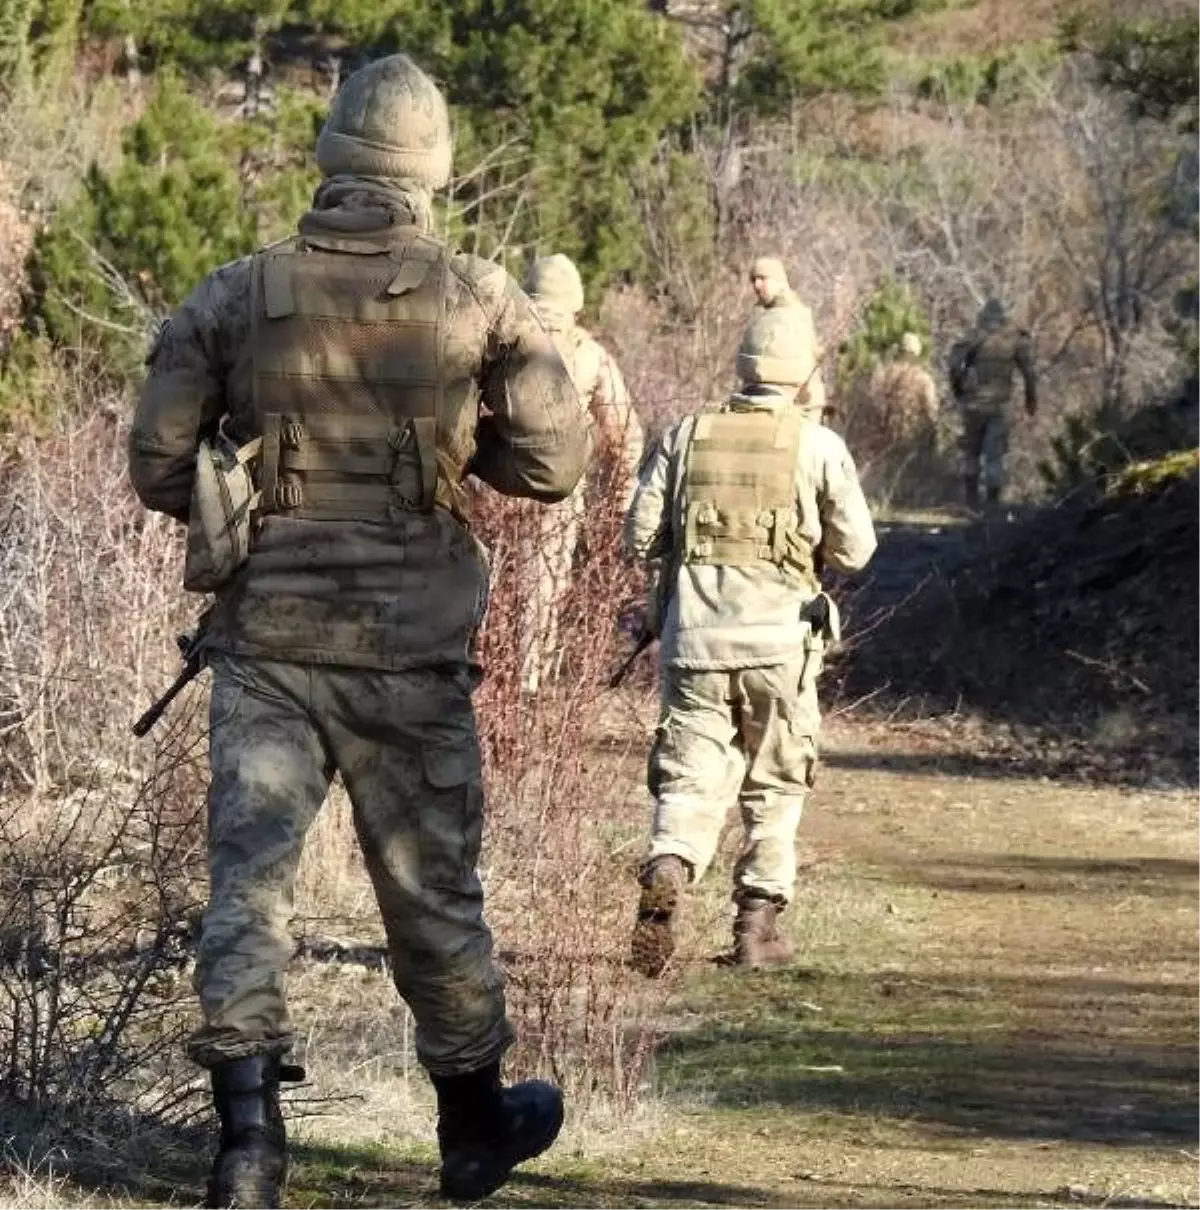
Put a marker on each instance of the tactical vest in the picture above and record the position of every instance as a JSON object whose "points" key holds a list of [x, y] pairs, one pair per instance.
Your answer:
{"points": [[348, 342], [990, 367], [740, 488]]}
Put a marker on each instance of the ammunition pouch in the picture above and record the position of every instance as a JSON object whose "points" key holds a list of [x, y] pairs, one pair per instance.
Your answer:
{"points": [[740, 485], [224, 500]]}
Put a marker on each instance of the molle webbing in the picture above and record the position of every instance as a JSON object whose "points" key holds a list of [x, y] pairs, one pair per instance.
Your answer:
{"points": [[348, 377], [741, 491], [993, 362]]}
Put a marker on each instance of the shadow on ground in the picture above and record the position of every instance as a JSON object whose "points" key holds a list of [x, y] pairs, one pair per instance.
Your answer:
{"points": [[1105, 1061], [1158, 877]]}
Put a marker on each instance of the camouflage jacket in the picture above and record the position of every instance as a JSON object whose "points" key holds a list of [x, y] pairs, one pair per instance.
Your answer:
{"points": [[982, 367], [907, 393], [389, 595], [605, 399], [721, 617]]}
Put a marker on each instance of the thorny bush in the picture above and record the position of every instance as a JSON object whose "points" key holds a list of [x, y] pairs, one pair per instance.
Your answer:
{"points": [[103, 870], [565, 823]]}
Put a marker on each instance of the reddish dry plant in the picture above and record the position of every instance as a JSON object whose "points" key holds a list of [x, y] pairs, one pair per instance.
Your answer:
{"points": [[565, 822], [90, 608]]}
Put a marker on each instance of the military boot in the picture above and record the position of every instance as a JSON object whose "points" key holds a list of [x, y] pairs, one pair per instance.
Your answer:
{"points": [[756, 939], [250, 1168], [485, 1130], [653, 941]]}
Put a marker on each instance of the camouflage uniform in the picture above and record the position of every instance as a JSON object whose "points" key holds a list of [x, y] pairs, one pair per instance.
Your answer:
{"points": [[981, 378], [359, 351], [773, 292], [557, 290], [903, 390], [736, 503]]}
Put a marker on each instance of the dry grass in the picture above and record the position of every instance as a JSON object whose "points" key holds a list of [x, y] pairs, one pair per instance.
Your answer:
{"points": [[90, 609]]}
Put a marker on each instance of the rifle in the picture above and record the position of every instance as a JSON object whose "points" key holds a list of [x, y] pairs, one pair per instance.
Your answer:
{"points": [[645, 639], [191, 648]]}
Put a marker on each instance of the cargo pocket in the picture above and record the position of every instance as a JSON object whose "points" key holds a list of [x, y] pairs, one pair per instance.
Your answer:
{"points": [[226, 695], [451, 817]]}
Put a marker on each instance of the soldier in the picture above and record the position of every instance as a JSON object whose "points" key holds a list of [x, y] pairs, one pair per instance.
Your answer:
{"points": [[772, 292], [555, 286], [351, 357], [742, 506], [903, 390], [981, 379]]}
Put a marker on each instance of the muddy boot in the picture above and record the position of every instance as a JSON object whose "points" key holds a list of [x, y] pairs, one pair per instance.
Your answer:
{"points": [[653, 940], [250, 1168], [756, 939], [485, 1130]]}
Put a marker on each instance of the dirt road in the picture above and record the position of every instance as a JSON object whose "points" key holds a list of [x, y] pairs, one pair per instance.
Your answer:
{"points": [[994, 1001]]}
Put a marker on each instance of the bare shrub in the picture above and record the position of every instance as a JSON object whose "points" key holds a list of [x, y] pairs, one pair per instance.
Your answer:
{"points": [[565, 827], [87, 607], [1061, 202], [101, 839], [97, 906]]}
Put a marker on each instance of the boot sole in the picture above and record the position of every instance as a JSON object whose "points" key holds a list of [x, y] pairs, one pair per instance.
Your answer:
{"points": [[653, 942], [477, 1191]]}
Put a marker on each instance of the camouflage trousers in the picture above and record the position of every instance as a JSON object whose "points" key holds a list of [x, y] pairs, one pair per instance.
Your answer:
{"points": [[406, 747], [554, 535], [746, 736], [985, 449]]}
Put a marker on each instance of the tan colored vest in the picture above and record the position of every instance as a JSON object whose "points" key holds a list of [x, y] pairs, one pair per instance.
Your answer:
{"points": [[349, 394], [740, 488]]}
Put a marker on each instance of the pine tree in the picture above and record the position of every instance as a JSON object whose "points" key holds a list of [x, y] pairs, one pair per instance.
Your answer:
{"points": [[138, 239], [16, 24]]}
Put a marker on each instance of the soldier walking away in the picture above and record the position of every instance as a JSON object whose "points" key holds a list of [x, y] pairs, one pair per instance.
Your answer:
{"points": [[741, 505], [905, 390], [345, 366], [554, 284], [982, 365], [773, 293]]}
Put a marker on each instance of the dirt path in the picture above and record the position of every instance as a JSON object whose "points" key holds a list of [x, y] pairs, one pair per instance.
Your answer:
{"points": [[994, 1002]]}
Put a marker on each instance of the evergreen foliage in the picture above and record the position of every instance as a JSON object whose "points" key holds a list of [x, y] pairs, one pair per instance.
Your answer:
{"points": [[798, 48], [582, 90], [891, 311], [1152, 60], [137, 240]]}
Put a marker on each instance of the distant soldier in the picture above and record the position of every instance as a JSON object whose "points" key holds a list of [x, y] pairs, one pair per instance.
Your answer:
{"points": [[981, 378], [556, 288], [902, 391], [771, 288], [742, 506]]}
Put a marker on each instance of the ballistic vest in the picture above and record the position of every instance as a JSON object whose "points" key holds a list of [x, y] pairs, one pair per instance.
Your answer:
{"points": [[348, 342], [740, 488], [989, 363]]}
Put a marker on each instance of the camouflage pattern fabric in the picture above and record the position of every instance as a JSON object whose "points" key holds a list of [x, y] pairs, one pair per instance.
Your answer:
{"points": [[610, 482], [904, 396], [985, 440], [406, 747], [721, 617], [549, 557], [361, 593], [746, 736]]}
